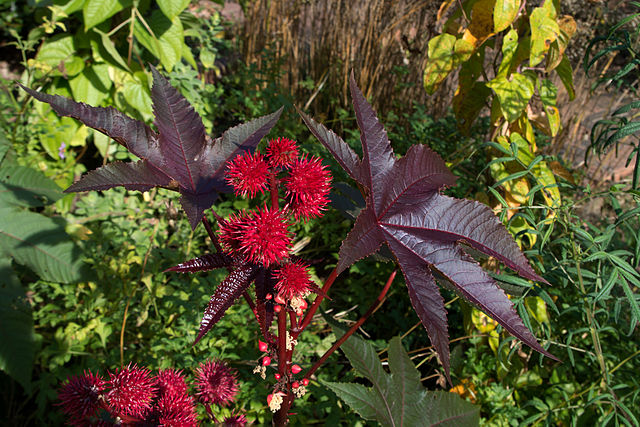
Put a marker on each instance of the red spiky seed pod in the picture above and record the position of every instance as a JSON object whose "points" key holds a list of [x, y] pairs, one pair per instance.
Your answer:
{"points": [[230, 231], [293, 280], [80, 396], [307, 187], [235, 420], [216, 383], [177, 410], [248, 174], [132, 391], [281, 152], [171, 382], [265, 237]]}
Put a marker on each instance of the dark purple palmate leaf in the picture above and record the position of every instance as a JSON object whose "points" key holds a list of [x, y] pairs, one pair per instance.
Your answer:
{"points": [[405, 210], [227, 292], [180, 156], [205, 262]]}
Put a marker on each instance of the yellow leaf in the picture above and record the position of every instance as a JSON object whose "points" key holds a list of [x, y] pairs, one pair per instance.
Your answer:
{"points": [[544, 31], [481, 25], [504, 13]]}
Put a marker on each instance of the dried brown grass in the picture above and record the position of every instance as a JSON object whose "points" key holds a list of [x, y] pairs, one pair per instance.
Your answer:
{"points": [[323, 40]]}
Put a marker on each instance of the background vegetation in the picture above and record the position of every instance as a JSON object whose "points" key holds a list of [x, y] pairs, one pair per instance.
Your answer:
{"points": [[81, 282]]}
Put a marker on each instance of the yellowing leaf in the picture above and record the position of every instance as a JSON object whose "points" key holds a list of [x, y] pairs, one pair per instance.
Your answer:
{"points": [[504, 13], [440, 61], [567, 28], [481, 25], [514, 94], [509, 48], [544, 31]]}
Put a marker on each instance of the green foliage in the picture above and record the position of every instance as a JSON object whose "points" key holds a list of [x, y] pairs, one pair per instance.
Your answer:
{"points": [[399, 397], [621, 41]]}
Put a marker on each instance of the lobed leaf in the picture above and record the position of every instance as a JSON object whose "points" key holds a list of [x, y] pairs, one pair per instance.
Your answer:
{"points": [[205, 262], [225, 295], [140, 176]]}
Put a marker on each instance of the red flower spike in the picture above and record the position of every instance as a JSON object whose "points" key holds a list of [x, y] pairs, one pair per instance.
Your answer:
{"points": [[295, 384], [281, 152], [305, 382], [277, 376], [266, 361], [264, 236], [171, 383], [262, 346], [248, 174], [293, 280], [296, 369], [216, 383], [307, 187], [132, 391], [80, 396]]}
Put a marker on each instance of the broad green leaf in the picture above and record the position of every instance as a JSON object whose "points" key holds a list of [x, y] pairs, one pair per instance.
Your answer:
{"points": [[565, 72], [468, 104], [172, 8], [361, 399], [548, 95], [443, 409], [92, 85], [514, 94], [108, 45], [168, 41], [544, 31], [58, 56], [440, 61], [481, 26], [57, 131], [5, 146], [509, 48], [41, 244], [137, 94], [97, 11], [23, 186], [17, 343], [504, 13], [72, 6]]}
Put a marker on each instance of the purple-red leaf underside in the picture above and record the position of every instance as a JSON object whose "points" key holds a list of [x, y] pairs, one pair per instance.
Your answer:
{"points": [[136, 136], [224, 296], [438, 217], [378, 158], [205, 262], [181, 132], [364, 239], [426, 300], [140, 176], [344, 155]]}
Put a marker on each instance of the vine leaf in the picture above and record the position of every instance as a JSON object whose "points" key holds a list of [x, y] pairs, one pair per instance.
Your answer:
{"points": [[423, 228], [179, 156]]}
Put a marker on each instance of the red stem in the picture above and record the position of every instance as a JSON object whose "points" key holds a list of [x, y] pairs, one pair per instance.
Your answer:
{"points": [[316, 303], [273, 182], [355, 326], [280, 418]]}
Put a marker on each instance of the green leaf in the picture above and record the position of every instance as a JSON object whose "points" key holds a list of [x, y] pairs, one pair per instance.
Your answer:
{"points": [[58, 56], [23, 186], [544, 31], [513, 95], [136, 92], [548, 95], [97, 11], [509, 48], [41, 244], [504, 13], [92, 85], [565, 72], [361, 399], [17, 343], [168, 41], [440, 61], [172, 8], [440, 408], [108, 45]]}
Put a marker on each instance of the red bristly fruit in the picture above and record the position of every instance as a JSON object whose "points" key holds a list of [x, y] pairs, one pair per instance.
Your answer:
{"points": [[248, 174], [132, 391], [80, 396], [216, 383], [281, 152], [293, 280]]}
